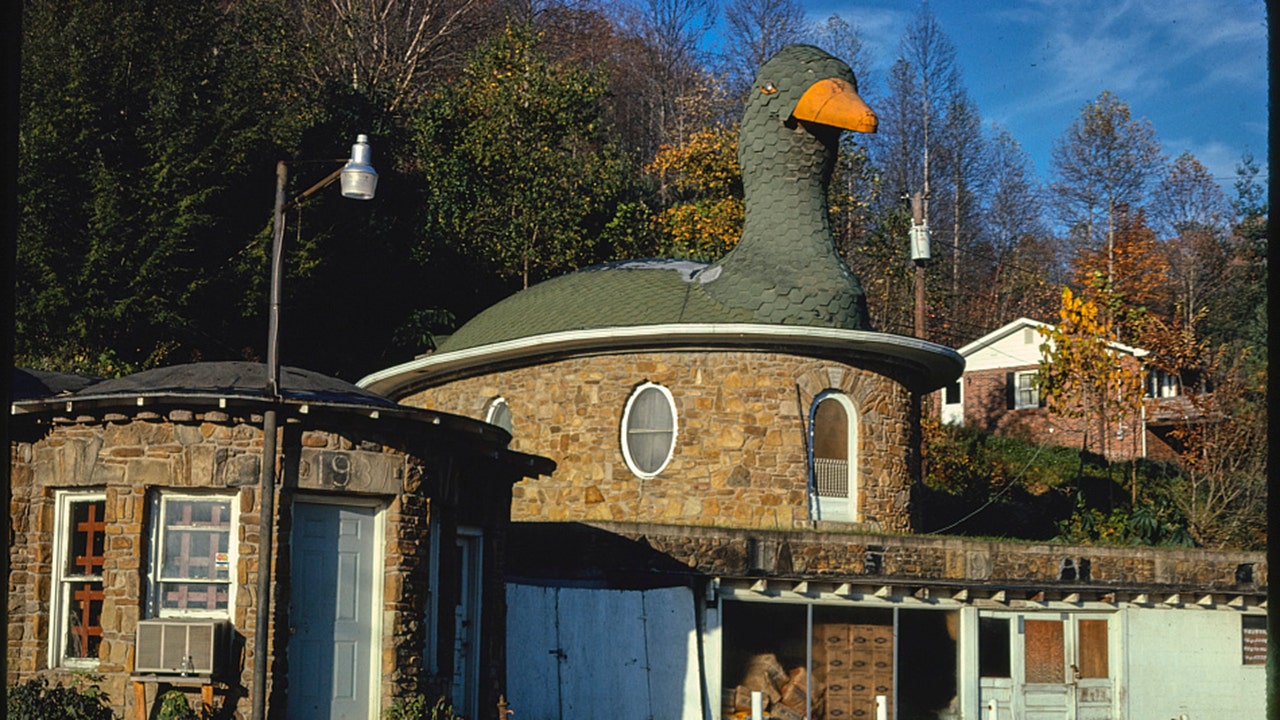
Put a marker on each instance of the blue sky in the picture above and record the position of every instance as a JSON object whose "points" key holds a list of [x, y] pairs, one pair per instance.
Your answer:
{"points": [[1197, 69]]}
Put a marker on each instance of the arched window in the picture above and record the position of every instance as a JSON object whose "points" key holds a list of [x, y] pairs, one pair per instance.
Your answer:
{"points": [[499, 413], [833, 458], [649, 430]]}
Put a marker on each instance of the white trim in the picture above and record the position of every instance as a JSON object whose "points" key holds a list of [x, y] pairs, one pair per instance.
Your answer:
{"points": [[931, 364], [156, 553], [465, 539], [625, 429], [58, 596], [1027, 323], [491, 409], [831, 508], [1018, 404]]}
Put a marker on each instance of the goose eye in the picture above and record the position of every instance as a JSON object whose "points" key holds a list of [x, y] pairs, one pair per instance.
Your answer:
{"points": [[768, 89]]}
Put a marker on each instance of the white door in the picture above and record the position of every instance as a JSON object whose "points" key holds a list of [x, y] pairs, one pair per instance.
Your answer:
{"points": [[331, 613], [1046, 666], [1066, 668], [466, 639]]}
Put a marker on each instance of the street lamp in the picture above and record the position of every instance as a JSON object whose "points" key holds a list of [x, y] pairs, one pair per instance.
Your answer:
{"points": [[359, 181]]}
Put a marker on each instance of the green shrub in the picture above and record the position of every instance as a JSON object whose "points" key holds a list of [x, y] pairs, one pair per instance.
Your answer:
{"points": [[174, 706], [415, 707], [35, 700]]}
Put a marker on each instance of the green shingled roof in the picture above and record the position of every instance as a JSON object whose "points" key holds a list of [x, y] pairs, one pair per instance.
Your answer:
{"points": [[784, 270]]}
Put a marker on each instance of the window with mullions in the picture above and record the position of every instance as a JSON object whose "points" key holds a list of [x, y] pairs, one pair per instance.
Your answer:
{"points": [[1026, 393], [649, 430], [833, 438], [79, 543], [192, 555]]}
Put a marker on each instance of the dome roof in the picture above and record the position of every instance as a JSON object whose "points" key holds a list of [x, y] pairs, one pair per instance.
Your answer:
{"points": [[233, 379], [784, 270]]}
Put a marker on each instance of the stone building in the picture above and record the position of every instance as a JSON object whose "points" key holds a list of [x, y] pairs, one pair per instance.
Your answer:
{"points": [[136, 547], [731, 519]]}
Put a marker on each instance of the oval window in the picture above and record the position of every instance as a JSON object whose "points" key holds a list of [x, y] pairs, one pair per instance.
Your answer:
{"points": [[649, 430]]}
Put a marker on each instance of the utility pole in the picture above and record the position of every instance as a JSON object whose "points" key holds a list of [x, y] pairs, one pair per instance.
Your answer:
{"points": [[919, 255]]}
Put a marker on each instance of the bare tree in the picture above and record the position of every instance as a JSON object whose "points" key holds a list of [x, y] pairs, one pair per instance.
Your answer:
{"points": [[1020, 259], [1102, 164], [663, 86], [1193, 212], [387, 47], [844, 40], [758, 29]]}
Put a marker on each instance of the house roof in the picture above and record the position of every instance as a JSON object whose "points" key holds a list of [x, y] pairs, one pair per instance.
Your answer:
{"points": [[1022, 323], [232, 379], [220, 386], [33, 384]]}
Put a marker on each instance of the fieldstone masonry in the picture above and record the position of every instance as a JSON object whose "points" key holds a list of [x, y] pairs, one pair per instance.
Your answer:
{"points": [[129, 458], [958, 562], [740, 457]]}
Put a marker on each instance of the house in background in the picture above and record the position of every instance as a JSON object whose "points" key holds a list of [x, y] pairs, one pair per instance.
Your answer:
{"points": [[135, 552], [731, 513], [998, 393]]}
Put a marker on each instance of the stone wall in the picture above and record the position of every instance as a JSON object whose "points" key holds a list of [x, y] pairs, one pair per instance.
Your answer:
{"points": [[129, 459], [740, 457], [955, 562]]}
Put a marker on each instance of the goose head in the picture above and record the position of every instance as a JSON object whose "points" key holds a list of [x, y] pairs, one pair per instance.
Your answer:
{"points": [[785, 268]]}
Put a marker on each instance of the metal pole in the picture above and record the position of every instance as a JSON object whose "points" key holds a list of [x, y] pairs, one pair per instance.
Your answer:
{"points": [[267, 481]]}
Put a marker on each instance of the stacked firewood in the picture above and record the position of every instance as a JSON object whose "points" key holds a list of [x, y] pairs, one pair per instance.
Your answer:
{"points": [[783, 692]]}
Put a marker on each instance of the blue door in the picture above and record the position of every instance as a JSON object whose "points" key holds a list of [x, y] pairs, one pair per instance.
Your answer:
{"points": [[331, 613]]}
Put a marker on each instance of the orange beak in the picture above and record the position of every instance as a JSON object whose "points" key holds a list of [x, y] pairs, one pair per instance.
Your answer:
{"points": [[834, 102]]}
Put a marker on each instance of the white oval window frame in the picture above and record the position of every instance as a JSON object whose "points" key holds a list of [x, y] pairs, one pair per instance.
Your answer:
{"points": [[626, 419]]}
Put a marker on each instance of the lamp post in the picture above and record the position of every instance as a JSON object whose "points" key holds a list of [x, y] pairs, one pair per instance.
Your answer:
{"points": [[359, 181]]}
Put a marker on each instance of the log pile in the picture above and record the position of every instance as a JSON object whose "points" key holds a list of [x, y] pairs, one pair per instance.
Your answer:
{"points": [[852, 665], [784, 692]]}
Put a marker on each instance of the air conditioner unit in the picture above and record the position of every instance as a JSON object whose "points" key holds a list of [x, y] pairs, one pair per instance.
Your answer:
{"points": [[180, 647]]}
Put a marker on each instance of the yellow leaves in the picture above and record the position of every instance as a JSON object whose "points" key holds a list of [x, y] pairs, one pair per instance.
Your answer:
{"points": [[702, 230], [1082, 369], [702, 187], [706, 164]]}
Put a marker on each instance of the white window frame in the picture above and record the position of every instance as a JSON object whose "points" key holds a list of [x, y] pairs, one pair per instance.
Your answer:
{"points": [[155, 581], [495, 406], [1031, 387], [60, 586], [953, 412], [626, 429], [838, 509]]}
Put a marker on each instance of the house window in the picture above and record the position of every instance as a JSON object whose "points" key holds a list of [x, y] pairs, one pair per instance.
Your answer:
{"points": [[1161, 384], [649, 430], [833, 464], [994, 659], [192, 555], [1026, 393], [77, 592], [952, 393], [498, 413]]}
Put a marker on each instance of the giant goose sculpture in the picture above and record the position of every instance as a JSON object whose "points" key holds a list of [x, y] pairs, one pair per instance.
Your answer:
{"points": [[783, 271]]}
